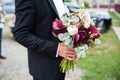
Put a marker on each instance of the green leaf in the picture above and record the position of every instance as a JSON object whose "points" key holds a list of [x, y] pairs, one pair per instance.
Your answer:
{"points": [[68, 41], [97, 41], [61, 37], [84, 5], [66, 35], [81, 50]]}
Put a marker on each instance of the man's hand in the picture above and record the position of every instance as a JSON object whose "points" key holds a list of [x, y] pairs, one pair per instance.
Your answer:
{"points": [[66, 52]]}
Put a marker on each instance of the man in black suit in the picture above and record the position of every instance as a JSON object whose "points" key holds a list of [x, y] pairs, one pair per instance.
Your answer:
{"points": [[33, 29]]}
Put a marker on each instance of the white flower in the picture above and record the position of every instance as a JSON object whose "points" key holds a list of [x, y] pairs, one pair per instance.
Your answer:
{"points": [[86, 19], [80, 15], [86, 24], [72, 30]]}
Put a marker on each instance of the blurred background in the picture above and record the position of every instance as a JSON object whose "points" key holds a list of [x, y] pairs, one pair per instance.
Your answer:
{"points": [[101, 63]]}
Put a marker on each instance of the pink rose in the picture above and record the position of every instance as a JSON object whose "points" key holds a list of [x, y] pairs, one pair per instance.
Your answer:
{"points": [[57, 25], [72, 30], [76, 40], [56, 32], [58, 28]]}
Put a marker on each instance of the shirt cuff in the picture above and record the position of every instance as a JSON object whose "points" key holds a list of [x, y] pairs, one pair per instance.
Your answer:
{"points": [[57, 50]]}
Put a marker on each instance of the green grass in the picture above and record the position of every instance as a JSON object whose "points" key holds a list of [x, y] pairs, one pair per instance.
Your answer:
{"points": [[113, 15], [115, 19], [103, 62]]}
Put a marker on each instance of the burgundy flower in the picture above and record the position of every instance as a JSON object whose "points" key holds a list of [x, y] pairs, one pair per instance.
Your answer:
{"points": [[83, 36], [76, 39], [57, 25], [80, 37], [58, 28], [94, 31], [56, 32]]}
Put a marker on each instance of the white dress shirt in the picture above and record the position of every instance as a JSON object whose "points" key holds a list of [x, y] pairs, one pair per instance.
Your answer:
{"points": [[61, 8]]}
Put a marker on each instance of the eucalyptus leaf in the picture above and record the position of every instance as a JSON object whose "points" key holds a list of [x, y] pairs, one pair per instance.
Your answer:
{"points": [[67, 41], [86, 46], [66, 36], [66, 21], [81, 54], [81, 50], [97, 41], [61, 37]]}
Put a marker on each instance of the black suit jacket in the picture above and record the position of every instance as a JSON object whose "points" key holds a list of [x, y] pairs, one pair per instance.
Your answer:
{"points": [[33, 29]]}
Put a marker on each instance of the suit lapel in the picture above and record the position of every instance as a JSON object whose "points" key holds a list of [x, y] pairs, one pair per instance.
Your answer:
{"points": [[53, 6]]}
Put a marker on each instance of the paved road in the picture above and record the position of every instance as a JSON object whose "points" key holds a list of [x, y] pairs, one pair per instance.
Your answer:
{"points": [[15, 67], [117, 31]]}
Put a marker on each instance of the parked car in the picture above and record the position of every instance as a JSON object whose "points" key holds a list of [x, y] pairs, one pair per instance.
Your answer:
{"points": [[9, 7], [103, 19]]}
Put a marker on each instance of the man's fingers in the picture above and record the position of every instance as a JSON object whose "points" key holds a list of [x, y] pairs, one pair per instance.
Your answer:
{"points": [[71, 52], [70, 58], [66, 52], [70, 49]]}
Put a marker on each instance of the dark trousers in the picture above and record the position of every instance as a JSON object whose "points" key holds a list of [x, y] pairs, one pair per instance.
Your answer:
{"points": [[0, 40], [59, 76]]}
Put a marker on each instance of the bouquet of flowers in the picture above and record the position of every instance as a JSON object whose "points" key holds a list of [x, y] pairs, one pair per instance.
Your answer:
{"points": [[77, 31]]}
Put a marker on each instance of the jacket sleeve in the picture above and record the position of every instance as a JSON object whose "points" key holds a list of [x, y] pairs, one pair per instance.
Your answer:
{"points": [[25, 18]]}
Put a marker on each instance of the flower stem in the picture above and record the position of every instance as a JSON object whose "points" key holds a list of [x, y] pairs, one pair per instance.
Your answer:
{"points": [[66, 65]]}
